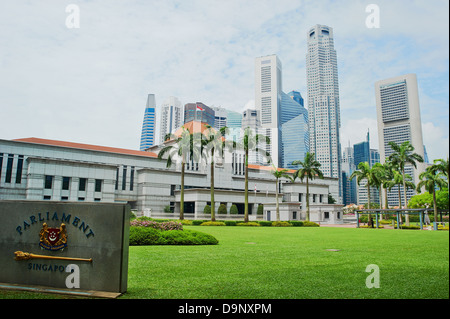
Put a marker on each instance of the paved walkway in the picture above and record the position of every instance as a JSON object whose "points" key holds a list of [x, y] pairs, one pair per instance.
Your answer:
{"points": [[339, 225]]}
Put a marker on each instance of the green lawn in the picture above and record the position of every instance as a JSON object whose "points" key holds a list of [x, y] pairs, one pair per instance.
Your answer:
{"points": [[293, 262]]}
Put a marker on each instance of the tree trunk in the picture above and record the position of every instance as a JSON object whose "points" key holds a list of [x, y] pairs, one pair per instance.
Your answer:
{"points": [[182, 191], [435, 206], [406, 201], [246, 188], [276, 194], [369, 221], [307, 199], [213, 205]]}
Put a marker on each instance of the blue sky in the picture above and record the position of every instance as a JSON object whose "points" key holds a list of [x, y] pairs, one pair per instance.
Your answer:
{"points": [[90, 84]]}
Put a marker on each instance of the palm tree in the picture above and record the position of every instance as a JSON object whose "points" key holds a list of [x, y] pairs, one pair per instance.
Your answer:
{"points": [[403, 155], [250, 142], [387, 175], [214, 144], [365, 172], [397, 180], [278, 173], [429, 180], [442, 166], [185, 148], [310, 168]]}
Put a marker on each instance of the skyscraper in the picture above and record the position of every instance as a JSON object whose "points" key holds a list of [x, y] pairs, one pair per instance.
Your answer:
{"points": [[398, 120], [171, 117], [294, 129], [149, 124], [323, 101], [268, 89]]}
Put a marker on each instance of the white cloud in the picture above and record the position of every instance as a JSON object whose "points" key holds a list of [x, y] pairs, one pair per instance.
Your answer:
{"points": [[435, 140], [90, 84]]}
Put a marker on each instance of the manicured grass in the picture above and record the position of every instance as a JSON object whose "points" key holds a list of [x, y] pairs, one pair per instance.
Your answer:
{"points": [[293, 262]]}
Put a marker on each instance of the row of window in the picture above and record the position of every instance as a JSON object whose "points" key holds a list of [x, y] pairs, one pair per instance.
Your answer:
{"points": [[9, 167], [124, 177], [48, 183]]}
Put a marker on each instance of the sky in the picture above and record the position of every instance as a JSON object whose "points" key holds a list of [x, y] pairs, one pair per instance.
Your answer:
{"points": [[90, 84]]}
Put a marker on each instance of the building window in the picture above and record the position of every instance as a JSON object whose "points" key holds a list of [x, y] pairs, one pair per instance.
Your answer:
{"points": [[46, 197], [326, 215], [314, 198], [98, 185], [81, 199], [48, 183], [97, 199], [19, 169], [320, 198], [117, 178], [294, 215], [131, 178], [64, 198], [1, 163], [300, 197], [124, 178], [66, 183], [9, 166], [82, 185]]}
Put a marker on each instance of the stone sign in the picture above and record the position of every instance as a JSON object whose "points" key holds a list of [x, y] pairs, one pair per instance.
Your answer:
{"points": [[64, 245]]}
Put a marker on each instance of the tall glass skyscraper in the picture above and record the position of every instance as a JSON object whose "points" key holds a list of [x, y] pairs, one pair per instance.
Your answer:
{"points": [[149, 123], [294, 129], [323, 101]]}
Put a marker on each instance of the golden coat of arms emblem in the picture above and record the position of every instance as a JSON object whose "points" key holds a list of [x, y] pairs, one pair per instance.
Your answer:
{"points": [[53, 238]]}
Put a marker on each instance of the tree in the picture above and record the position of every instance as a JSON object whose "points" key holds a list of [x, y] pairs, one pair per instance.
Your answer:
{"points": [[403, 155], [365, 172], [442, 166], [430, 179], [310, 168], [251, 142], [184, 147], [397, 180], [214, 145], [387, 176], [278, 173]]}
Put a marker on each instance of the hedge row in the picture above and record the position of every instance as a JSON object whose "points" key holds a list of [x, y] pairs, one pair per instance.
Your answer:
{"points": [[151, 236], [256, 223]]}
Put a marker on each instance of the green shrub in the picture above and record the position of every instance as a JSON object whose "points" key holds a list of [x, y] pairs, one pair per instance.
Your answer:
{"points": [[248, 224], [296, 223], [151, 236], [207, 210], [184, 222], [260, 209], [188, 237], [198, 222], [230, 222], [212, 224], [265, 223], [281, 224], [234, 210], [310, 224], [222, 209], [145, 236]]}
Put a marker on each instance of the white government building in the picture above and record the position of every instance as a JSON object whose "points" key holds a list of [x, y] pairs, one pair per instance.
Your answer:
{"points": [[42, 169]]}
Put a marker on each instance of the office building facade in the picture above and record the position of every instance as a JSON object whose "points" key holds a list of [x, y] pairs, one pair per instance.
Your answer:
{"points": [[268, 89], [294, 129], [398, 120], [199, 112], [323, 100], [171, 117], [149, 124]]}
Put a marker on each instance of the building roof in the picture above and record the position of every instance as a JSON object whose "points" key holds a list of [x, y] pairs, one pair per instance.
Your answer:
{"points": [[41, 141]]}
